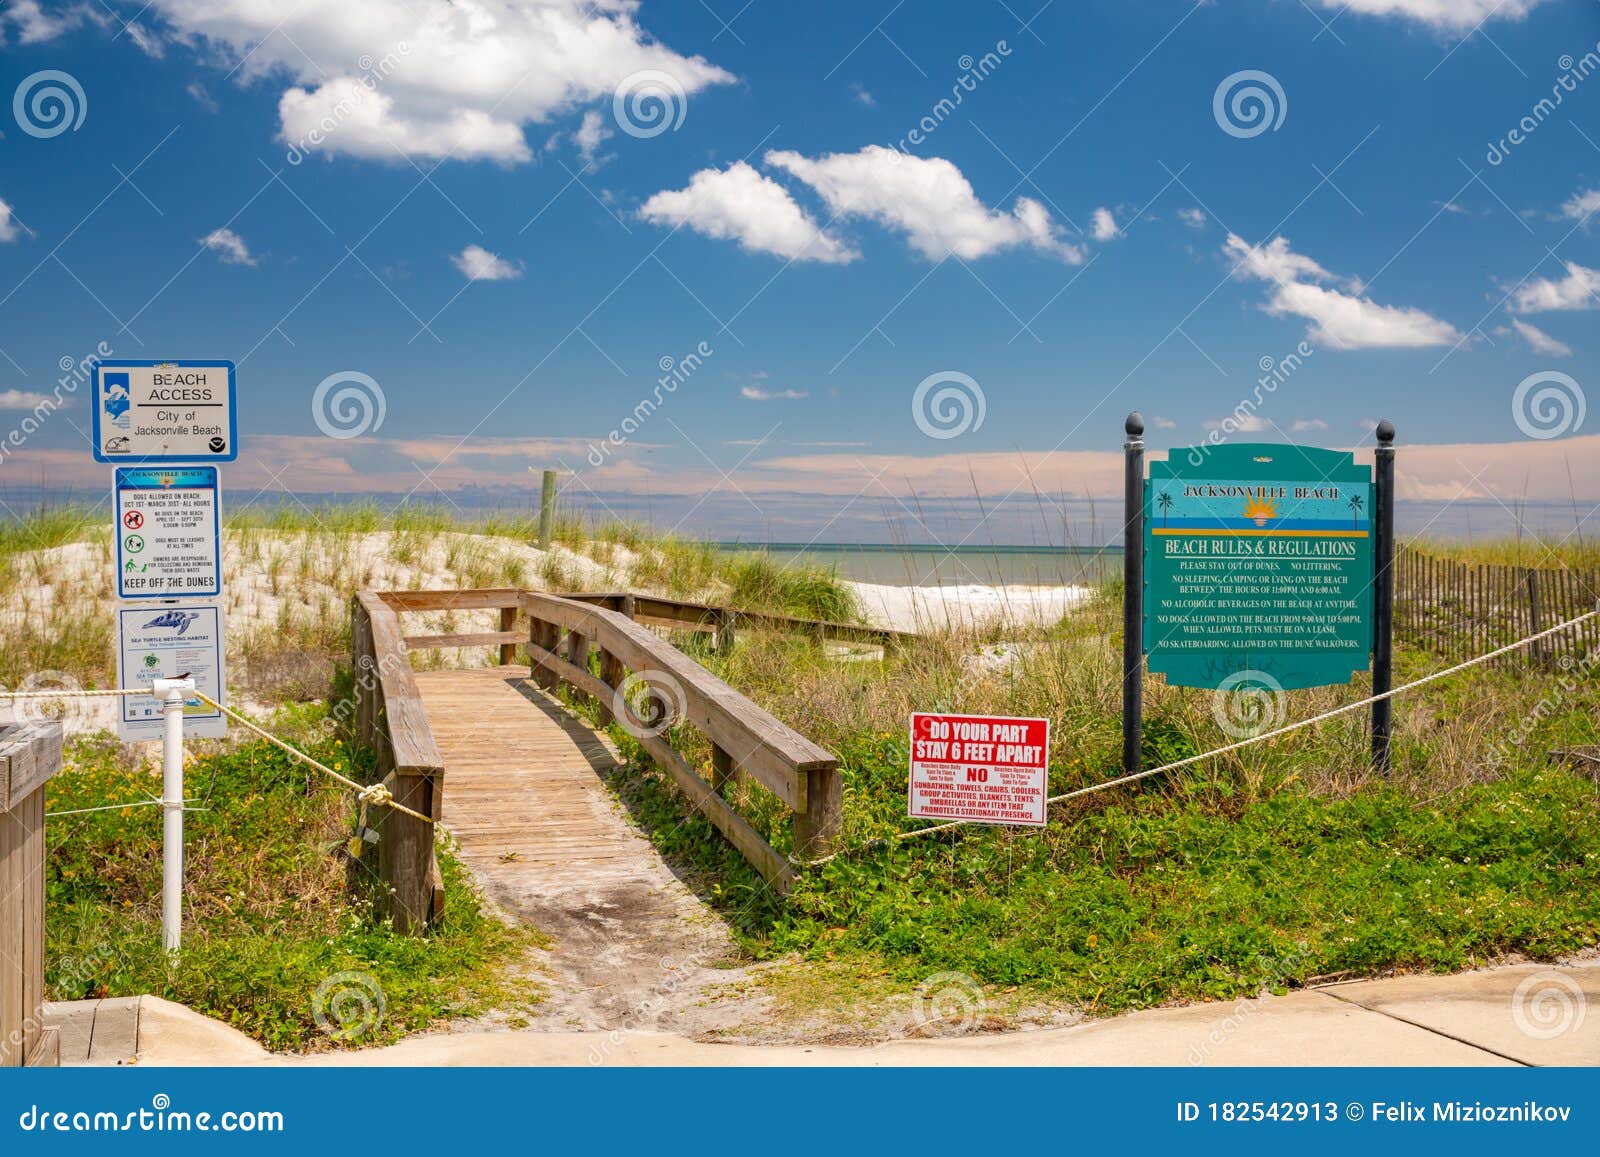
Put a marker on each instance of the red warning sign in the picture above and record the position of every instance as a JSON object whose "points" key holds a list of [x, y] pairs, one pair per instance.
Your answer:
{"points": [[982, 768]]}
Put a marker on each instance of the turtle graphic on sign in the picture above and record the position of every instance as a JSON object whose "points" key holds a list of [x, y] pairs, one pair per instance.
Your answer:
{"points": [[177, 620]]}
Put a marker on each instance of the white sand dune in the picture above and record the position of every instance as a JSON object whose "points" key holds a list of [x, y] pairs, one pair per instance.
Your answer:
{"points": [[936, 608]]}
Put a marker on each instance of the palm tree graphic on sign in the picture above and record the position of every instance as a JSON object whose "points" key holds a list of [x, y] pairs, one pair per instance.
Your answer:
{"points": [[1355, 511], [1164, 500]]}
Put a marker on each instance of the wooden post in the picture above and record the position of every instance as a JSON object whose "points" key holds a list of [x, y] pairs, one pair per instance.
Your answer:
{"points": [[1535, 620], [578, 648], [725, 630], [721, 770], [816, 830], [508, 622], [405, 853], [1133, 595], [29, 755], [1383, 595], [542, 637], [547, 509]]}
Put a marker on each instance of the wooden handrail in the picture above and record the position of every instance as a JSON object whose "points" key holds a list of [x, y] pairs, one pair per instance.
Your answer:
{"points": [[744, 737], [707, 617], [390, 719], [29, 755]]}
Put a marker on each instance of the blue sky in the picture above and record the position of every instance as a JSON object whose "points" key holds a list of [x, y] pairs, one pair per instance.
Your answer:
{"points": [[477, 232]]}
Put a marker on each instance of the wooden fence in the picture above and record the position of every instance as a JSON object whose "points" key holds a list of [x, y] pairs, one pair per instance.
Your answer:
{"points": [[29, 756], [1459, 609]]}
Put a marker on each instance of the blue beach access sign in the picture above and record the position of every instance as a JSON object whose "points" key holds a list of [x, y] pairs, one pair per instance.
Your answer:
{"points": [[164, 411]]}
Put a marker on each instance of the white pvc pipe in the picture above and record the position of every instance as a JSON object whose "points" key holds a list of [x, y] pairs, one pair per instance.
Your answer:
{"points": [[172, 693]]}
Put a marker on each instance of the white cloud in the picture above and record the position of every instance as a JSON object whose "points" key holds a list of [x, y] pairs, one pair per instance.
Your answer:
{"points": [[1194, 218], [928, 199], [1455, 15], [478, 264], [862, 95], [25, 400], [1579, 289], [431, 77], [229, 247], [740, 204], [761, 394], [10, 230], [1539, 341], [1340, 319], [1242, 423], [1103, 226], [1307, 425], [1160, 423], [1582, 205], [590, 135], [34, 25]]}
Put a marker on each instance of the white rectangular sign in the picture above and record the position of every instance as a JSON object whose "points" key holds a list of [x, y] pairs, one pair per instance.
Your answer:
{"points": [[164, 411], [980, 768], [169, 539], [166, 642]]}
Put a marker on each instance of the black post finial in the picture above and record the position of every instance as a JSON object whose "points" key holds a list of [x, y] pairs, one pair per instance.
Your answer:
{"points": [[1134, 425], [1386, 432]]}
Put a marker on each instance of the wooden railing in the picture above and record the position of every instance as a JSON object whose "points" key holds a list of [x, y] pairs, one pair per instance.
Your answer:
{"points": [[29, 755], [745, 739], [657, 610], [389, 719], [563, 633]]}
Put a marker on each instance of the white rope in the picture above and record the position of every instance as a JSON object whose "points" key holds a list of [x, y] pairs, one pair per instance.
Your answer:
{"points": [[1261, 738], [69, 693], [367, 793], [116, 807]]}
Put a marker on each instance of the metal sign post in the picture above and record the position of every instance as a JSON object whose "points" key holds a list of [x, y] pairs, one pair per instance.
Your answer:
{"points": [[1383, 595], [1133, 595], [172, 694]]}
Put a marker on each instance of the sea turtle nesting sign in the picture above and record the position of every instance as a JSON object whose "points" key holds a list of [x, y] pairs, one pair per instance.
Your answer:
{"points": [[1258, 559]]}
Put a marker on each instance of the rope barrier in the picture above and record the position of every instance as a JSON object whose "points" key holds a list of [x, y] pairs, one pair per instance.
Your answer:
{"points": [[375, 793], [116, 807], [882, 841], [367, 794]]}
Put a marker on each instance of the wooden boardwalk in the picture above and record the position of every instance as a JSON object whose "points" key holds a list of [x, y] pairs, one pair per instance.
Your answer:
{"points": [[522, 774], [552, 846]]}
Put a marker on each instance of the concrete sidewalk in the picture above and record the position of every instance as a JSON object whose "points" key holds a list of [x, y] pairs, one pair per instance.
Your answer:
{"points": [[1534, 1014]]}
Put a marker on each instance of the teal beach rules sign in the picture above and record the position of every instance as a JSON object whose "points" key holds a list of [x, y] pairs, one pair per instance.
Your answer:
{"points": [[1258, 559]]}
